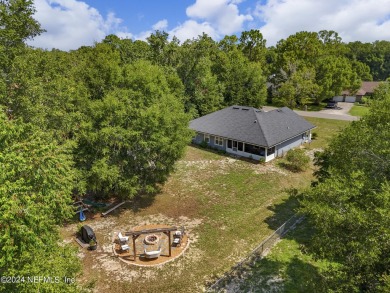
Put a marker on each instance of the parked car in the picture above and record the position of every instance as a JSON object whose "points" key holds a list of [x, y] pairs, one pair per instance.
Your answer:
{"points": [[331, 104]]}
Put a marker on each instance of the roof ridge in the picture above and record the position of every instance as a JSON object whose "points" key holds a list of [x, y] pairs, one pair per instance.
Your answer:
{"points": [[259, 124]]}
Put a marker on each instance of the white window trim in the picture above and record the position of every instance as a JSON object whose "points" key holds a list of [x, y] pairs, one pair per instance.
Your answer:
{"points": [[218, 140], [207, 138]]}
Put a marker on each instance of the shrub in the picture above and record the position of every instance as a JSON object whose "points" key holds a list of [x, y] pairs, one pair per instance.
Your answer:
{"points": [[297, 160], [204, 144], [314, 135]]}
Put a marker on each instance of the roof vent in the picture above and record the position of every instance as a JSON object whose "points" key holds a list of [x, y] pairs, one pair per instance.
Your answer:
{"points": [[255, 121], [245, 109], [236, 108], [279, 110]]}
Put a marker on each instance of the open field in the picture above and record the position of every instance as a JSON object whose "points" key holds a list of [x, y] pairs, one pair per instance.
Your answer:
{"points": [[227, 205]]}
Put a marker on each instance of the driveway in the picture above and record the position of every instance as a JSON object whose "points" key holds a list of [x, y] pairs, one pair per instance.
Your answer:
{"points": [[341, 113], [342, 109]]}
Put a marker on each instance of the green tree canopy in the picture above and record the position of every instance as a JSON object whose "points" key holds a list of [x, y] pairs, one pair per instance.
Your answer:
{"points": [[349, 207], [133, 135], [37, 179]]}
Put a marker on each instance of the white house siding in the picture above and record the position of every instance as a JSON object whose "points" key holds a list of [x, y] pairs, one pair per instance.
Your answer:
{"points": [[200, 137], [284, 147], [270, 157], [280, 149], [243, 154], [215, 146]]}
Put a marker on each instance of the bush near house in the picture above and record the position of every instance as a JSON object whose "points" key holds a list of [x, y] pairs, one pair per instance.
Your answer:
{"points": [[297, 160]]}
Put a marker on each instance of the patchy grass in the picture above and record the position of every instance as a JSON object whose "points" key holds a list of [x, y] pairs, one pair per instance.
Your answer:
{"points": [[228, 206], [359, 110]]}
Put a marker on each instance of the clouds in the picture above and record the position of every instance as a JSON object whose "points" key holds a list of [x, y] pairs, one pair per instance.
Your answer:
{"points": [[364, 20], [222, 15], [216, 18], [191, 29], [160, 25], [70, 24]]}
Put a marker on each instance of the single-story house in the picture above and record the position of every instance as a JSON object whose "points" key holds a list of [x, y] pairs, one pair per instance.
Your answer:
{"points": [[250, 132], [367, 89]]}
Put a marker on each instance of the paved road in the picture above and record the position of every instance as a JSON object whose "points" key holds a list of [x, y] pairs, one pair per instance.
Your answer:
{"points": [[341, 113]]}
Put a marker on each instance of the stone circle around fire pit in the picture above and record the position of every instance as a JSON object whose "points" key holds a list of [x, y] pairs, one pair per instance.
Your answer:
{"points": [[151, 239]]}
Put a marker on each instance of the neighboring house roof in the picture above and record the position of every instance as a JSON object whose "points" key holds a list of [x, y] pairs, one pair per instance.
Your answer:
{"points": [[367, 87], [252, 125]]}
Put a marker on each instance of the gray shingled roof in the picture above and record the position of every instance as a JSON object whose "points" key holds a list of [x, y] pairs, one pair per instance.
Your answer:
{"points": [[252, 125]]}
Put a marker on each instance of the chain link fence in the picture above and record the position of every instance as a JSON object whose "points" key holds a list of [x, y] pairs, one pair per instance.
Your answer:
{"points": [[255, 255]]}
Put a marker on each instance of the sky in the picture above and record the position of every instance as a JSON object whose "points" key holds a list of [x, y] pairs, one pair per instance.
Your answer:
{"points": [[70, 24]]}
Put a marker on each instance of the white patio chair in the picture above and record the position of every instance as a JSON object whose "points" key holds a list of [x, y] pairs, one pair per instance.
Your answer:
{"points": [[123, 238]]}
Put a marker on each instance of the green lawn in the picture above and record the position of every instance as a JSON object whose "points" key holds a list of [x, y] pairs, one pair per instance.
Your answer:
{"points": [[287, 268], [358, 110], [325, 129], [229, 206]]}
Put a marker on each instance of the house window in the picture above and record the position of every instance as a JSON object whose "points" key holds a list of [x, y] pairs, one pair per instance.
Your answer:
{"points": [[240, 146], [234, 145], [255, 150], [229, 143], [207, 138], [271, 151], [219, 141]]}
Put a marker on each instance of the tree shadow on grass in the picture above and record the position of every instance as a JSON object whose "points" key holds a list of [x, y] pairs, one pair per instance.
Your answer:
{"points": [[288, 274], [283, 211], [303, 277], [136, 204]]}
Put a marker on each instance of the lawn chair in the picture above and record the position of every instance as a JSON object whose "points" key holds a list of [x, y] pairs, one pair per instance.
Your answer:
{"points": [[177, 236], [153, 253], [125, 247], [123, 238]]}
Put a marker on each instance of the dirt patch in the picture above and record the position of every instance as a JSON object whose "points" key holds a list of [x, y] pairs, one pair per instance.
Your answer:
{"points": [[269, 167], [310, 153]]}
